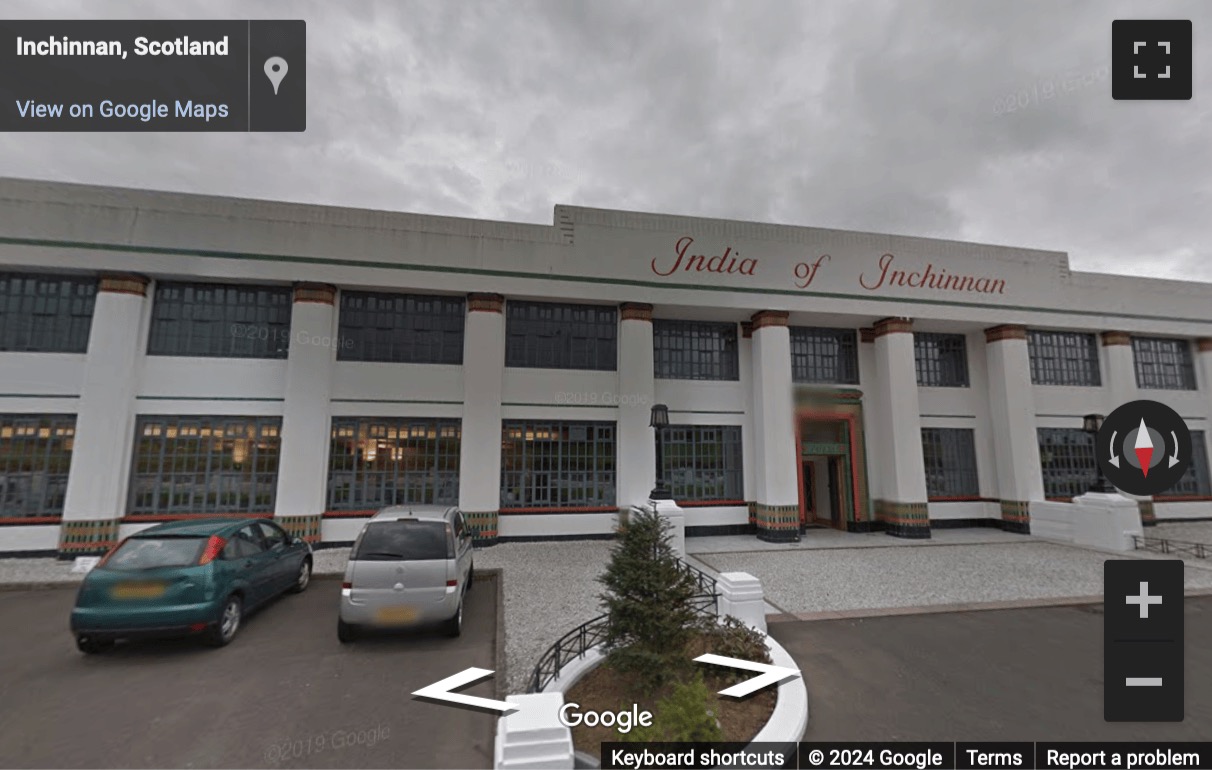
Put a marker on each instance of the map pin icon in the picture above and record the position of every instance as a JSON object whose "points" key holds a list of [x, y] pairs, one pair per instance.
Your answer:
{"points": [[275, 70]]}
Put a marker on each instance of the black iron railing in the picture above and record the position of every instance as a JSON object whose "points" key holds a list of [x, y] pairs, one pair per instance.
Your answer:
{"points": [[591, 633], [1178, 547]]}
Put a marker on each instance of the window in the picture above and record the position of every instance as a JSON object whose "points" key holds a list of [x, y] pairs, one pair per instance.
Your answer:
{"points": [[220, 320], [143, 553], [35, 456], [1164, 364], [942, 360], [246, 542], [204, 464], [544, 335], [552, 464], [45, 313], [1195, 482], [690, 350], [404, 540], [950, 457], [1063, 358], [401, 328], [1067, 460], [274, 536], [379, 461], [824, 355], [703, 462]]}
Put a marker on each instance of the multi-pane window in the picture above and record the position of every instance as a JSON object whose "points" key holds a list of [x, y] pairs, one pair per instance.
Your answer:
{"points": [[1063, 358], [220, 320], [942, 360], [694, 350], [1066, 457], [204, 464], [45, 313], [35, 455], [554, 464], [1163, 363], [703, 462], [551, 336], [401, 328], [950, 457], [1195, 482], [824, 355], [380, 461]]}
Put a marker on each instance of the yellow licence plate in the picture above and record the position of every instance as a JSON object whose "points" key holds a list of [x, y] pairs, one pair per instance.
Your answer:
{"points": [[395, 615], [138, 590]]}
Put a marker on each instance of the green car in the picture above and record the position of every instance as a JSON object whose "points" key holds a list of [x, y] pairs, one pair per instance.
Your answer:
{"points": [[187, 577]]}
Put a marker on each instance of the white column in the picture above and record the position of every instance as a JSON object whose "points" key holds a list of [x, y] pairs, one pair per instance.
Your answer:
{"points": [[480, 442], [1121, 388], [303, 460], [1012, 415], [873, 422], [749, 446], [636, 445], [777, 507], [902, 505], [100, 469]]}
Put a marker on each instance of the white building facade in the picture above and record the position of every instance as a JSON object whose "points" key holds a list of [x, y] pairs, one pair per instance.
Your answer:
{"points": [[166, 356]]}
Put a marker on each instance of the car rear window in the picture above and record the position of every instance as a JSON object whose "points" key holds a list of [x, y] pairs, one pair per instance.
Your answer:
{"points": [[404, 540], [154, 552]]}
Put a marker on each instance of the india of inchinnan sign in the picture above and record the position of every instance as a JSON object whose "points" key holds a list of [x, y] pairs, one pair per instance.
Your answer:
{"points": [[884, 272]]}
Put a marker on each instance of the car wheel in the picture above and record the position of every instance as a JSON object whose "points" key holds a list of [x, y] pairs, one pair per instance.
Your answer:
{"points": [[346, 632], [454, 626], [91, 646], [303, 579], [230, 617]]}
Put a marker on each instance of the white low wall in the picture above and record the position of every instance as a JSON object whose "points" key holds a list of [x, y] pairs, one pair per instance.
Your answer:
{"points": [[1053, 521], [1107, 521], [967, 509], [1194, 509]]}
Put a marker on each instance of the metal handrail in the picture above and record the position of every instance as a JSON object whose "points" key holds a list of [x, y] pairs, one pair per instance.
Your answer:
{"points": [[580, 640], [1162, 545]]}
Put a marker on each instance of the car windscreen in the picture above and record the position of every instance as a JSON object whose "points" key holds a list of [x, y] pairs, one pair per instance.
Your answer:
{"points": [[404, 540], [156, 552]]}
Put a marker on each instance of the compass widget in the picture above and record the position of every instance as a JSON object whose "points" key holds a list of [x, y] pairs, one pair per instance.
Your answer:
{"points": [[1144, 448]]}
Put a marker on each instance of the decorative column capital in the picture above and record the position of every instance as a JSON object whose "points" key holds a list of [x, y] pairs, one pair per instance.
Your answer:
{"points": [[765, 318], [485, 303], [635, 311], [1005, 332], [1204, 344], [1115, 338], [892, 326], [124, 283], [746, 329], [320, 293], [867, 334]]}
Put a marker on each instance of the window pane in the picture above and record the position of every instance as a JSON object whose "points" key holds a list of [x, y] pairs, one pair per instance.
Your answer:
{"points": [[942, 360], [46, 313], [1195, 482], [703, 462], [950, 458], [1063, 358], [204, 464], [1163, 364], [1067, 461], [218, 320], [557, 464], [379, 461], [551, 336], [35, 458], [401, 328], [824, 355], [690, 350]]}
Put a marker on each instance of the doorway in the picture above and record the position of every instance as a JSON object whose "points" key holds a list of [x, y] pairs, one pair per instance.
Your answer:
{"points": [[821, 475]]}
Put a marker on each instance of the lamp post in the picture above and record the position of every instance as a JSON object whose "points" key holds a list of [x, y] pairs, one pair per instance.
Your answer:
{"points": [[659, 421], [1092, 424]]}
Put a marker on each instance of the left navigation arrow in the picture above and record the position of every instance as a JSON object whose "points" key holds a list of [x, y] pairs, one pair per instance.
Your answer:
{"points": [[441, 691]]}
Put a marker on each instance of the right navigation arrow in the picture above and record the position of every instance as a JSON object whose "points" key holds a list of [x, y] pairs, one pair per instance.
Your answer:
{"points": [[768, 674]]}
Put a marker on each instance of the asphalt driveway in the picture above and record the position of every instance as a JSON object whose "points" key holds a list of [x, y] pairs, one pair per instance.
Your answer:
{"points": [[1011, 675], [284, 694]]}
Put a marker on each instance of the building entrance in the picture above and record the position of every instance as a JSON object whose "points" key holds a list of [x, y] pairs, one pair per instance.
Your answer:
{"points": [[832, 471], [820, 493]]}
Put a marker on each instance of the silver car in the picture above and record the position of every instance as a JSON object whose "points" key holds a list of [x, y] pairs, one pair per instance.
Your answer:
{"points": [[411, 565]]}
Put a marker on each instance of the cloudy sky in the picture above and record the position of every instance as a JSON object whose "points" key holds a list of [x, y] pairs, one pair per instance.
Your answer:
{"points": [[989, 121]]}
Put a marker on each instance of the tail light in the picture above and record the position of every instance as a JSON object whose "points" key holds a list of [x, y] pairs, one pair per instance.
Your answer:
{"points": [[112, 551], [346, 585], [213, 548], [451, 583]]}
